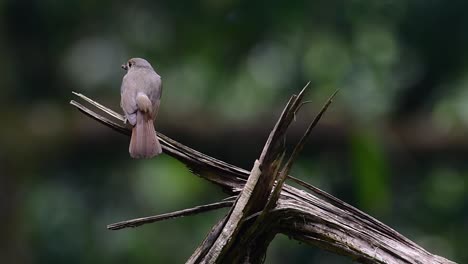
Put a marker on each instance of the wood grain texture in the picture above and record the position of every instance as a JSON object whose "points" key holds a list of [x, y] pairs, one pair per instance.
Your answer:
{"points": [[310, 215]]}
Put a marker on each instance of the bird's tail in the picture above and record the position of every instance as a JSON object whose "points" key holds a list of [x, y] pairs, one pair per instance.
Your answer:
{"points": [[144, 142]]}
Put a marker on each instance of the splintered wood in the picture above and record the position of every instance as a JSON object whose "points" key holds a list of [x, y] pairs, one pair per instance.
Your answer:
{"points": [[262, 205]]}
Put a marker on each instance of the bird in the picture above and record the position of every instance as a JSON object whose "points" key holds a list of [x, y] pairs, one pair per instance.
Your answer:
{"points": [[141, 92]]}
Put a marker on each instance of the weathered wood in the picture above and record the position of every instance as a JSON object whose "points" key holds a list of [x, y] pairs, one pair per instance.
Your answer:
{"points": [[313, 216], [240, 240], [186, 212]]}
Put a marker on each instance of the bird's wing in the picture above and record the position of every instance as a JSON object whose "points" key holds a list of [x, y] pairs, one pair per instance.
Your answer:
{"points": [[128, 92]]}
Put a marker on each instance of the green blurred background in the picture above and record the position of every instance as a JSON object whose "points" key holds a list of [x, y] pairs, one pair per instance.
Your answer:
{"points": [[393, 143]]}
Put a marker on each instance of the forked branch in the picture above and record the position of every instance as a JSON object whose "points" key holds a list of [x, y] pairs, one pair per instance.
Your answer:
{"points": [[265, 205]]}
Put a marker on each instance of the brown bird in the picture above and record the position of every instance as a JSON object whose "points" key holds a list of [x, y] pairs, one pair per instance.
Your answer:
{"points": [[141, 92]]}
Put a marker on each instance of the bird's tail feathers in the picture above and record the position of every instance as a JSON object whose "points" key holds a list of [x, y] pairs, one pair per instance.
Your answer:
{"points": [[144, 142]]}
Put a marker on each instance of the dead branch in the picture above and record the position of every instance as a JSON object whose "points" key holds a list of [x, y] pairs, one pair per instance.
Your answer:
{"points": [[186, 212], [266, 206]]}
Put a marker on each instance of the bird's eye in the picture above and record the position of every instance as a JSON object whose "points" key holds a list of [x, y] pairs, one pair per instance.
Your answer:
{"points": [[129, 64]]}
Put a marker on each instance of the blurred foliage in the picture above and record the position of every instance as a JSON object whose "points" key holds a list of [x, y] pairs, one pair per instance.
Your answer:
{"points": [[393, 143], [371, 173]]}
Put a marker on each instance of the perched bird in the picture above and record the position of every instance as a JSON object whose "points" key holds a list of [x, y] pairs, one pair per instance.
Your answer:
{"points": [[141, 92]]}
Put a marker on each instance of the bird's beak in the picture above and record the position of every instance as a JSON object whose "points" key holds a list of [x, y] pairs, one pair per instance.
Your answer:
{"points": [[124, 66]]}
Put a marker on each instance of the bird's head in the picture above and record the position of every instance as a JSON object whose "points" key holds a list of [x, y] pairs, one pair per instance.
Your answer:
{"points": [[136, 63]]}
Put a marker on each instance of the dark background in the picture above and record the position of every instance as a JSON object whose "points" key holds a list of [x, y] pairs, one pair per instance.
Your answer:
{"points": [[393, 143]]}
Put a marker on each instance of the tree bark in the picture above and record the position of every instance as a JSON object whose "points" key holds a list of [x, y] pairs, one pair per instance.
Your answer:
{"points": [[265, 205]]}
